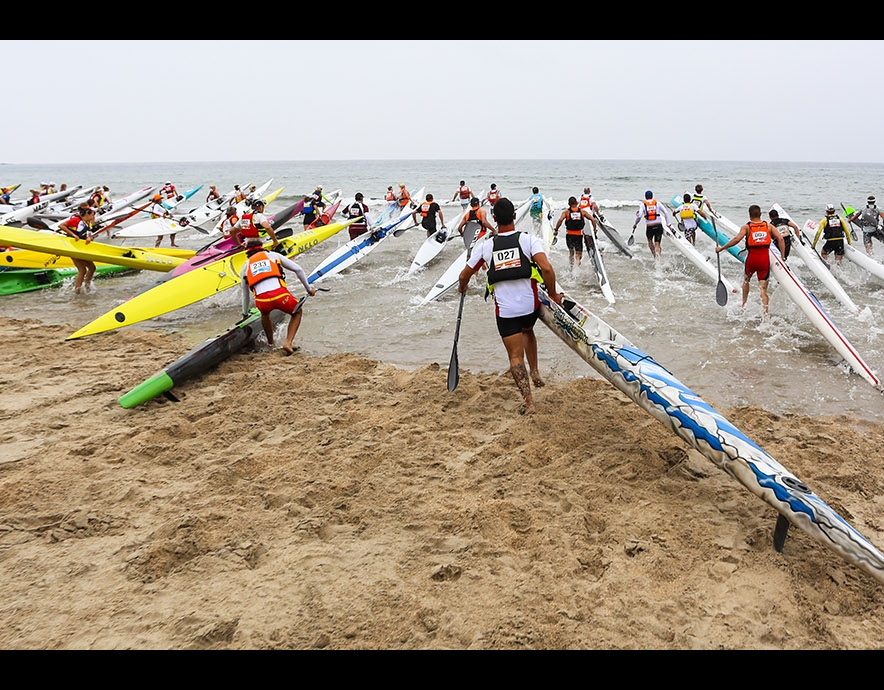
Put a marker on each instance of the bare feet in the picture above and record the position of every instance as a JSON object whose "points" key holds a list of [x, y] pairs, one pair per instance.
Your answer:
{"points": [[289, 350], [536, 380], [527, 408]]}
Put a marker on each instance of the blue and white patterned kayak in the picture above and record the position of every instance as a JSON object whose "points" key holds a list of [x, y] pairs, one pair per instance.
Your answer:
{"points": [[660, 394]]}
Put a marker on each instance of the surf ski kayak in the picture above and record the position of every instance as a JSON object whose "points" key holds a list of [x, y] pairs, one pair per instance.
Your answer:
{"points": [[15, 281], [700, 260], [434, 244], [860, 256], [355, 250], [613, 235], [65, 245], [201, 358], [597, 261], [818, 316], [449, 279], [711, 231], [181, 198], [226, 246], [198, 284], [819, 266], [655, 390]]}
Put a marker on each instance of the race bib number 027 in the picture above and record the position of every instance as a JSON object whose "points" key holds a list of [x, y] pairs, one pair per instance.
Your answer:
{"points": [[506, 258]]}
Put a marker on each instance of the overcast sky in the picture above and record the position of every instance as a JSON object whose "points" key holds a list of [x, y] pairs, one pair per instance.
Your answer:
{"points": [[165, 101]]}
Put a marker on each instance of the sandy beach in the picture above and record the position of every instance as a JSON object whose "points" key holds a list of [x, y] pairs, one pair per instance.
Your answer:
{"points": [[338, 502]]}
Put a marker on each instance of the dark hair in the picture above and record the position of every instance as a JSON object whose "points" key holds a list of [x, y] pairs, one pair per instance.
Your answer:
{"points": [[475, 201], [773, 213], [754, 210], [534, 190], [572, 200], [504, 212], [687, 197], [359, 196]]}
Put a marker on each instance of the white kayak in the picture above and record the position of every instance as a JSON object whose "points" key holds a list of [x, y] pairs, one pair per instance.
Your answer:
{"points": [[820, 266], [818, 316], [700, 260], [434, 244], [597, 261], [801, 245], [393, 210], [449, 279], [155, 227], [614, 236], [655, 390], [861, 258], [24, 212], [354, 251]]}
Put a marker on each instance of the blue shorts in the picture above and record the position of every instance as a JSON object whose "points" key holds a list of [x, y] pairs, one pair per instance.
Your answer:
{"points": [[516, 324]]}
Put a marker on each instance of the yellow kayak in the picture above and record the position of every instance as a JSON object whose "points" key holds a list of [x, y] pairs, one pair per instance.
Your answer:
{"points": [[198, 283], [27, 258], [65, 245]]}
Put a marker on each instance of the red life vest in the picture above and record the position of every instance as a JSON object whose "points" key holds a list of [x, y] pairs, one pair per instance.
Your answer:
{"points": [[585, 201], [493, 196], [465, 192], [261, 266], [248, 228], [758, 234]]}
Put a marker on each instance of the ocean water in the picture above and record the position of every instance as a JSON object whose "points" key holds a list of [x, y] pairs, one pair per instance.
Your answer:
{"points": [[727, 355]]}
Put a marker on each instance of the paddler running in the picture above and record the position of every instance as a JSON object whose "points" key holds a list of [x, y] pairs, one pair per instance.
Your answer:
{"points": [[759, 234], [262, 275], [513, 259]]}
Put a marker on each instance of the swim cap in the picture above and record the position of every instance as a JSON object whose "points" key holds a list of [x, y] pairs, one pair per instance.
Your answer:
{"points": [[649, 194]]}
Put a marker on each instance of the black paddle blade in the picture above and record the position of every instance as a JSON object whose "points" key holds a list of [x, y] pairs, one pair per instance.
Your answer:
{"points": [[453, 371], [720, 289], [721, 294], [780, 531], [631, 240]]}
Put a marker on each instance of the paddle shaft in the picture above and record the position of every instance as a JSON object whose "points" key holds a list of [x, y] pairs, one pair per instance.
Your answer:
{"points": [[852, 231], [453, 369]]}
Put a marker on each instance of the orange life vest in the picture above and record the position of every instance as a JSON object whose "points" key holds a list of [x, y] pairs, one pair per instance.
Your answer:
{"points": [[758, 235], [585, 201], [405, 198], [261, 266], [390, 196], [651, 210]]}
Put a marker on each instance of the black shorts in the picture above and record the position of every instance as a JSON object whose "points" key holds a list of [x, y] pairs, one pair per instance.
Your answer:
{"points": [[517, 324], [655, 233], [836, 246], [574, 242]]}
